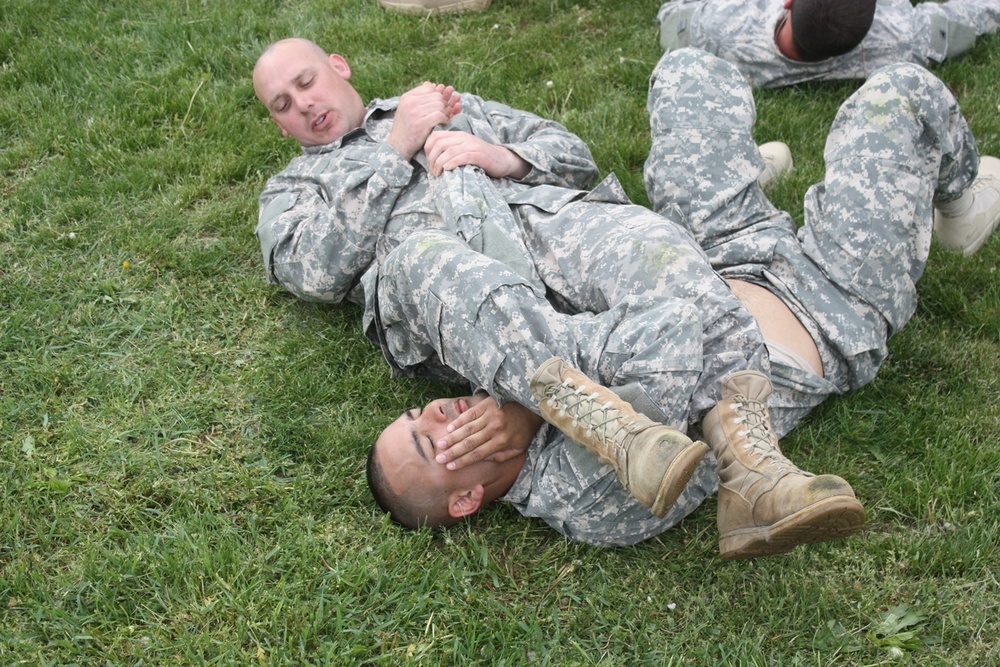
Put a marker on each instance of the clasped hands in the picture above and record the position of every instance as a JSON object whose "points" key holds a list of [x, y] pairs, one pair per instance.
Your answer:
{"points": [[430, 106]]}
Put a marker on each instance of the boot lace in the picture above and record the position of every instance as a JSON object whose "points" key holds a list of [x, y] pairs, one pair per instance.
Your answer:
{"points": [[760, 439], [585, 409]]}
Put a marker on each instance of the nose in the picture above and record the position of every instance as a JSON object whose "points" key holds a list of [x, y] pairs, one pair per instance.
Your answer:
{"points": [[434, 412], [302, 102]]}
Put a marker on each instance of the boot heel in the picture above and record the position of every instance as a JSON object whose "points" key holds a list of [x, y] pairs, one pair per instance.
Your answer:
{"points": [[750, 544]]}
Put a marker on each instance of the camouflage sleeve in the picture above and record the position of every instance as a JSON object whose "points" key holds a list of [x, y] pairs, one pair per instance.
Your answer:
{"points": [[319, 218], [557, 156]]}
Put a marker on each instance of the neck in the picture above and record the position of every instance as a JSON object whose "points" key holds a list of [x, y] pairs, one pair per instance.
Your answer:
{"points": [[505, 475], [783, 40]]}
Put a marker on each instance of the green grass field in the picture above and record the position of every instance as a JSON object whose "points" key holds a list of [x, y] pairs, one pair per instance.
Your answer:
{"points": [[182, 445]]}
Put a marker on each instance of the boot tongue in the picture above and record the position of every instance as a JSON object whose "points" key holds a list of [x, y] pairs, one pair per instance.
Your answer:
{"points": [[755, 420], [758, 432], [754, 386]]}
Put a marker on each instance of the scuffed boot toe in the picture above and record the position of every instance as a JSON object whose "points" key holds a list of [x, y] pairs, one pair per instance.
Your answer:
{"points": [[799, 510]]}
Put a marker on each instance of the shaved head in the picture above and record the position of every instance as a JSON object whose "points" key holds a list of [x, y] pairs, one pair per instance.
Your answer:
{"points": [[299, 42], [307, 91]]}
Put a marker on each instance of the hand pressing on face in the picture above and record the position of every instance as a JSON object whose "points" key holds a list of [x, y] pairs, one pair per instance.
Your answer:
{"points": [[487, 430]]}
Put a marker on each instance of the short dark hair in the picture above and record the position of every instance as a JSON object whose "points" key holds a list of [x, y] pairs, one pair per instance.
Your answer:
{"points": [[410, 512], [823, 29], [387, 499]]}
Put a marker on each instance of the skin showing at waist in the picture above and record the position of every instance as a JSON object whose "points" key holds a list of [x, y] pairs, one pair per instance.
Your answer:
{"points": [[777, 322]]}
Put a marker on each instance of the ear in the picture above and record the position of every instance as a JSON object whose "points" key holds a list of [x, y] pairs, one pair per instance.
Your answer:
{"points": [[465, 503], [340, 66], [281, 127]]}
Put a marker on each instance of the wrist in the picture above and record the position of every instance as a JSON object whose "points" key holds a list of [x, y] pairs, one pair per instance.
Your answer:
{"points": [[519, 167], [405, 150]]}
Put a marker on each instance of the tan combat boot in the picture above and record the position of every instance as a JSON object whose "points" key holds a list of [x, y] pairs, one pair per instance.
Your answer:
{"points": [[433, 6], [767, 505], [653, 461]]}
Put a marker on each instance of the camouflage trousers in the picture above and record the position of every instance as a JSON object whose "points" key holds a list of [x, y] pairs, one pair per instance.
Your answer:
{"points": [[665, 337], [897, 144], [941, 29], [950, 28]]}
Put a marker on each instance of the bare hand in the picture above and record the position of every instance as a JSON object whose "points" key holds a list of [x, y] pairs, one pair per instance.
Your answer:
{"points": [[421, 110], [449, 150], [487, 431]]}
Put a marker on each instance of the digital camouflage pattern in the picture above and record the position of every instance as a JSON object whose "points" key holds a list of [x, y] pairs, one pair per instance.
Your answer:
{"points": [[321, 216], [484, 280], [638, 308], [742, 33], [440, 301], [321, 221], [899, 143], [625, 295], [895, 146]]}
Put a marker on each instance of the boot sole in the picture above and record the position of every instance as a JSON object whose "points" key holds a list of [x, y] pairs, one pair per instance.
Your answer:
{"points": [[676, 478], [415, 7], [829, 519]]}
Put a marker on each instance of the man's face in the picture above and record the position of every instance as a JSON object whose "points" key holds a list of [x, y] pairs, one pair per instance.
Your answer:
{"points": [[407, 447], [307, 92]]}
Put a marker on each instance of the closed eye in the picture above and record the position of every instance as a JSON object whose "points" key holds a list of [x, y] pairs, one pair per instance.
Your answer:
{"points": [[412, 415], [280, 105]]}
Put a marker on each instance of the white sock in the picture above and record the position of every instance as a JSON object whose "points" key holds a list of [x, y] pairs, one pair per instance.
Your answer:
{"points": [[956, 207]]}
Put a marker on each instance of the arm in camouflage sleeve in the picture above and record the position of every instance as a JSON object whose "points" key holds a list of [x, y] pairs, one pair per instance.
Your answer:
{"points": [[320, 218], [556, 155]]}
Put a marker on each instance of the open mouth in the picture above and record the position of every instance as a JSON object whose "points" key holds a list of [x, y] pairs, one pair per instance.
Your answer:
{"points": [[320, 121]]}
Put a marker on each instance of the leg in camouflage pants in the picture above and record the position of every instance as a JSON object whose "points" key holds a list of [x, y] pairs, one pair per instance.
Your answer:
{"points": [[896, 146], [443, 303]]}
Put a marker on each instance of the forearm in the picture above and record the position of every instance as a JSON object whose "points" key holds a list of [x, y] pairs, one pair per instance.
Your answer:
{"points": [[555, 155], [318, 232]]}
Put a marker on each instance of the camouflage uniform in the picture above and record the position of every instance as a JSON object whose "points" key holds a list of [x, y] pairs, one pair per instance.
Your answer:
{"points": [[325, 217], [742, 32], [463, 276], [439, 299], [898, 144], [321, 216]]}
